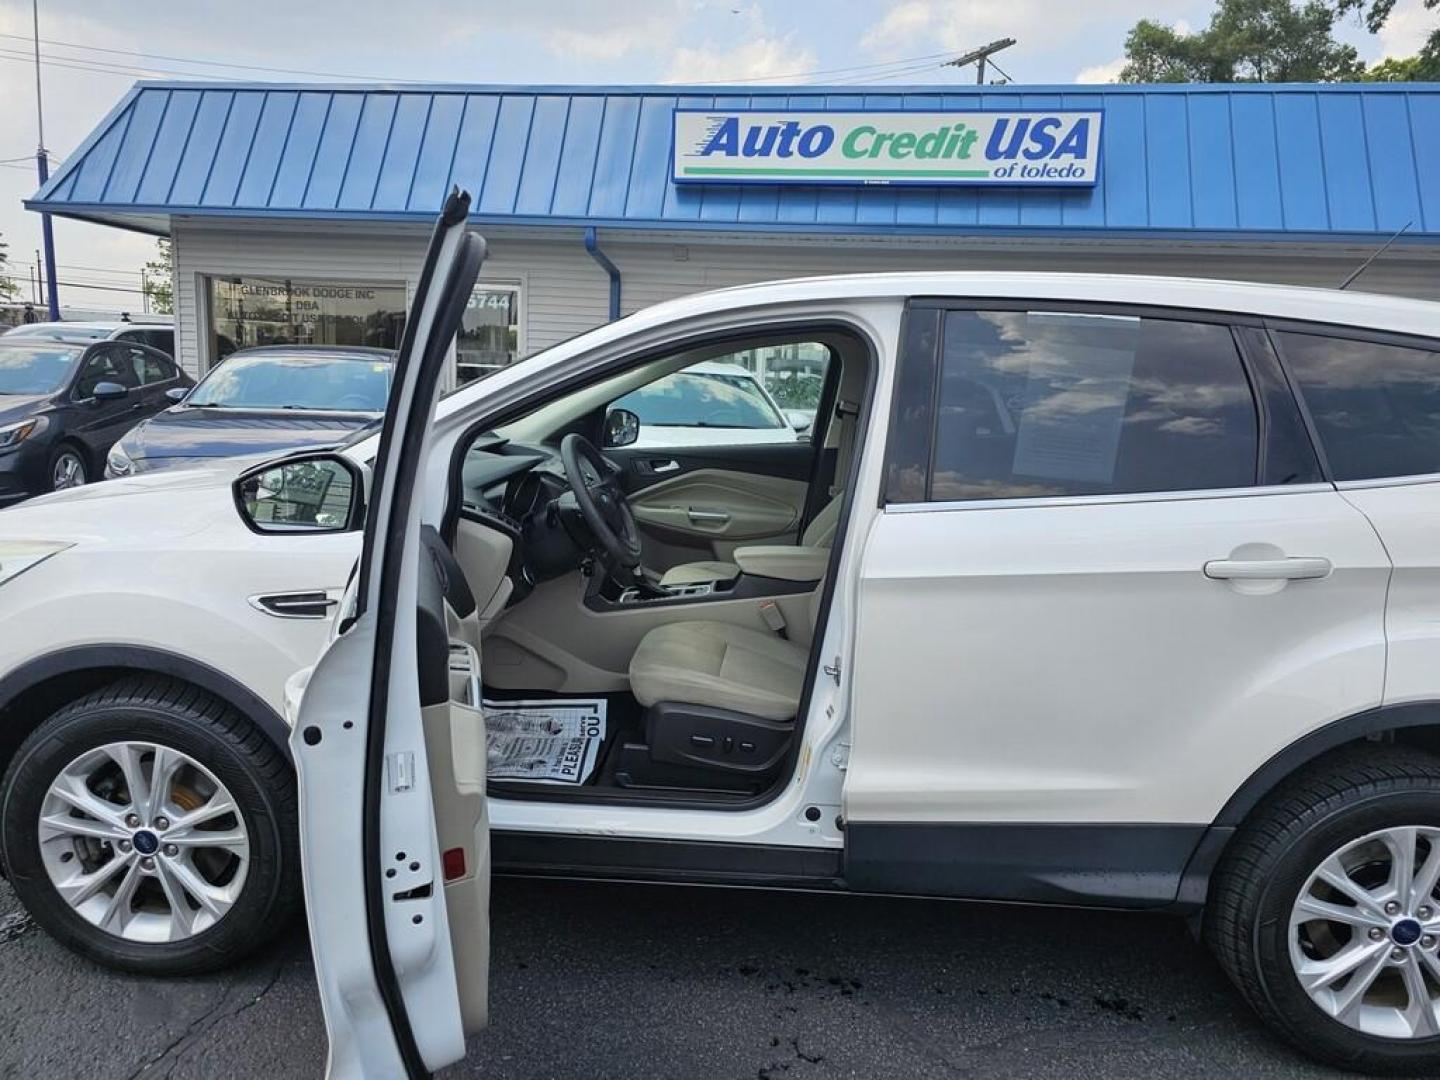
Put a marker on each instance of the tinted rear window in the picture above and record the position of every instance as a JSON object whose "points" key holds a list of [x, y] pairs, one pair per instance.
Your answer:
{"points": [[1050, 403], [1376, 407]]}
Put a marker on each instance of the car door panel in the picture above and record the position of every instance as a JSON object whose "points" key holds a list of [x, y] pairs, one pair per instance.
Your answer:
{"points": [[100, 423], [1076, 664], [1104, 609], [386, 758], [700, 503]]}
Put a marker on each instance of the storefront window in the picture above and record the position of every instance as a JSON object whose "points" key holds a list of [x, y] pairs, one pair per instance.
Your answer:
{"points": [[489, 336], [281, 311]]}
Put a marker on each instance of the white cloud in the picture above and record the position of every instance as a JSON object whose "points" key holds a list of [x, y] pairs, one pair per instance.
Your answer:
{"points": [[914, 27], [765, 57], [1406, 31], [1107, 72], [901, 24]]}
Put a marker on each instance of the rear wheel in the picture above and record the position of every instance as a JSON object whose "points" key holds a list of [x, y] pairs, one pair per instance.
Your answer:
{"points": [[1325, 911], [151, 828]]}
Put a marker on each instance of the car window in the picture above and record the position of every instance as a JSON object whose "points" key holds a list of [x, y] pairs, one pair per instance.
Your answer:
{"points": [[703, 397], [35, 367], [107, 363], [153, 368], [282, 380], [1375, 406], [1044, 403]]}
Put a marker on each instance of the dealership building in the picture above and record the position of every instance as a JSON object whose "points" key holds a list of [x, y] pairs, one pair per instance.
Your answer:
{"points": [[300, 212]]}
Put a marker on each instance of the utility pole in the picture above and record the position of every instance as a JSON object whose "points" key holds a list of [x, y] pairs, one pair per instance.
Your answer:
{"points": [[979, 56], [42, 164]]}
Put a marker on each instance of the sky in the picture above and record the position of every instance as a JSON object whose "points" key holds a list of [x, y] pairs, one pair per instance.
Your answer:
{"points": [[94, 50]]}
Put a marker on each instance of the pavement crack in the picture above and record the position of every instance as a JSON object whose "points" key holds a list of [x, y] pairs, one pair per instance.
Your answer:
{"points": [[14, 925], [169, 1055]]}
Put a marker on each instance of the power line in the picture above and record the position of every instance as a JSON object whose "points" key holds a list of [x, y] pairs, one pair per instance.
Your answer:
{"points": [[834, 71], [83, 285], [879, 68], [205, 63], [76, 63]]}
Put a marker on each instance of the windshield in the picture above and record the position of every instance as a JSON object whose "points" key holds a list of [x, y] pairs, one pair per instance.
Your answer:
{"points": [[296, 381], [708, 399], [38, 368]]}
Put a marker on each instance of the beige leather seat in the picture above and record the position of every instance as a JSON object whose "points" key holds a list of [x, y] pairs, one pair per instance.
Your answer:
{"points": [[819, 533], [722, 665]]}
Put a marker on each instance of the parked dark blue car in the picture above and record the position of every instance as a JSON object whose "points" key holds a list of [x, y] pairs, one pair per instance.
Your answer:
{"points": [[275, 397], [63, 402]]}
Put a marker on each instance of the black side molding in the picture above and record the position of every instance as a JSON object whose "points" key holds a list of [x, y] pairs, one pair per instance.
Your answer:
{"points": [[611, 858], [1104, 865]]}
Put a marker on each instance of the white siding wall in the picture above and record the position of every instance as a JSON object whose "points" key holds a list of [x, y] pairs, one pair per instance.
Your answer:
{"points": [[565, 291]]}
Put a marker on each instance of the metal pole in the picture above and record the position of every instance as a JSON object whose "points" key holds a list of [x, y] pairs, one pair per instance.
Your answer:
{"points": [[42, 164], [980, 72]]}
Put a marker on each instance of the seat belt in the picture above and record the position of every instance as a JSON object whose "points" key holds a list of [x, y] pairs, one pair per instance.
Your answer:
{"points": [[846, 412]]}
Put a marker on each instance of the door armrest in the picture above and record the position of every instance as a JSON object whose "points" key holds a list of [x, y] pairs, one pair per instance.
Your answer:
{"points": [[784, 561]]}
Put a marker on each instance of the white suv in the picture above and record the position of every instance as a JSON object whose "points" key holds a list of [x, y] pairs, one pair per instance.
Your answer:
{"points": [[1112, 591]]}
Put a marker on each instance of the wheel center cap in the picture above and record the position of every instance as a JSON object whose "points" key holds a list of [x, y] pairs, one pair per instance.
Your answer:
{"points": [[147, 843], [1404, 932]]}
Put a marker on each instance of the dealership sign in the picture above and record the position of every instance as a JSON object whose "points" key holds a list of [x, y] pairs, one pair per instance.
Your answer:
{"points": [[1025, 147]]}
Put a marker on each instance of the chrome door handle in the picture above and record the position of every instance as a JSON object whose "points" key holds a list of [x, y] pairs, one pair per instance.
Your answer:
{"points": [[709, 517], [669, 465], [1267, 569]]}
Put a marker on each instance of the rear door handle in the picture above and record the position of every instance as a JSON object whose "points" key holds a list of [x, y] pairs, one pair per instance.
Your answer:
{"points": [[1300, 569]]}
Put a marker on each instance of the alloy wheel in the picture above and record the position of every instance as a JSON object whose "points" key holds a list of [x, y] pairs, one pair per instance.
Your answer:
{"points": [[1364, 932], [67, 472], [143, 842]]}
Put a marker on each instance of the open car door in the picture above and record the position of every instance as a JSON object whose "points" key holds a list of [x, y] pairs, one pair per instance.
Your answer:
{"points": [[389, 749]]}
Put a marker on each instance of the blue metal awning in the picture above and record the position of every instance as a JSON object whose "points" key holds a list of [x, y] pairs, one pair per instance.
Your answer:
{"points": [[1297, 162]]}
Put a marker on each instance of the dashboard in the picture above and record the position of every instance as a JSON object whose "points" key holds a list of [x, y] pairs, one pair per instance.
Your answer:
{"points": [[521, 490]]}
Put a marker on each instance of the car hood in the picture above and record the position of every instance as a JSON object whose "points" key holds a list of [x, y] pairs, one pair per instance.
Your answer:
{"points": [[186, 432], [134, 511], [18, 406]]}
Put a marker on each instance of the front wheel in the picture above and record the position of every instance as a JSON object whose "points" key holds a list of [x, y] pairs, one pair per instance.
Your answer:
{"points": [[68, 468], [1325, 912], [149, 827]]}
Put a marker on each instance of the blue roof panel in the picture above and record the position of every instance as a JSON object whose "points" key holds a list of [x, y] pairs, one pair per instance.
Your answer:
{"points": [[1295, 160]]}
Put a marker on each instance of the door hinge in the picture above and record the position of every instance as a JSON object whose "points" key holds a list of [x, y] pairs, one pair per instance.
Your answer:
{"points": [[840, 756], [833, 670]]}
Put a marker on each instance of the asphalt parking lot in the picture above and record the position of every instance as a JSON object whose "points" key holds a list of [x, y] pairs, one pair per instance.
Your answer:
{"points": [[619, 981]]}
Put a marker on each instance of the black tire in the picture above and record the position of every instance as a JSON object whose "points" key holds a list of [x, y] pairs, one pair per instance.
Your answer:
{"points": [[1344, 797], [66, 449], [159, 710]]}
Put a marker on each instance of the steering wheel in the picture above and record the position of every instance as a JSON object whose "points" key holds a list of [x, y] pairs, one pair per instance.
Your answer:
{"points": [[596, 486]]}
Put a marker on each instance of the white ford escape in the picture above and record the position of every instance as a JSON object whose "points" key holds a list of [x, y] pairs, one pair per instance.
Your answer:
{"points": [[1084, 590]]}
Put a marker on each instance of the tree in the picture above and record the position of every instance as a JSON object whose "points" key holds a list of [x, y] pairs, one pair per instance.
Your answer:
{"points": [[1246, 41], [8, 289], [158, 278], [1422, 67]]}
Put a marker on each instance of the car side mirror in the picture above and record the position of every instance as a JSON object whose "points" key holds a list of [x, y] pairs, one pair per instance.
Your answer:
{"points": [[178, 394], [622, 427], [800, 420], [108, 391], [313, 492]]}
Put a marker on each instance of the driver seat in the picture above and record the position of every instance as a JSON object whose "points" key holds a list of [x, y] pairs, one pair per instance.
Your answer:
{"points": [[820, 533]]}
